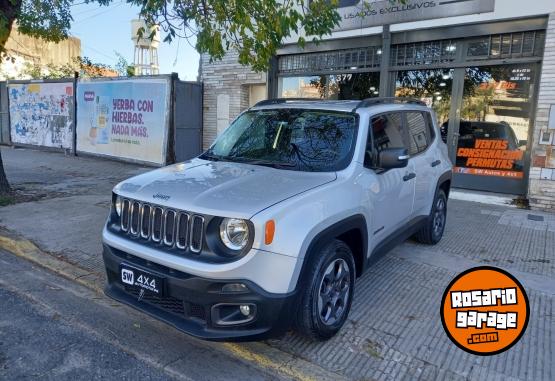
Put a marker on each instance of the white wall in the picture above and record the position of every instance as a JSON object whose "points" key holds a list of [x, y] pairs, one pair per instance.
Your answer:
{"points": [[504, 9]]}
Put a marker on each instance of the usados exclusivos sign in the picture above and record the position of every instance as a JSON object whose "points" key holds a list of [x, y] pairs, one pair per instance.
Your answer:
{"points": [[357, 14]]}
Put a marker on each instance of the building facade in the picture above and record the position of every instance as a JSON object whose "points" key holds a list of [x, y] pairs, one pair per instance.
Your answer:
{"points": [[486, 67], [24, 50]]}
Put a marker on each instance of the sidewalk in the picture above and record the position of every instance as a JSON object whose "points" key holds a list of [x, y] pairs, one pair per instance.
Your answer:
{"points": [[74, 196], [394, 330]]}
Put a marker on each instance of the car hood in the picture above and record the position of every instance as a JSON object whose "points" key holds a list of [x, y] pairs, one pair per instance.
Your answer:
{"points": [[220, 188]]}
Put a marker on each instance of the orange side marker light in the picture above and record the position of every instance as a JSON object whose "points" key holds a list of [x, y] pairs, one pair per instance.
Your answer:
{"points": [[269, 233]]}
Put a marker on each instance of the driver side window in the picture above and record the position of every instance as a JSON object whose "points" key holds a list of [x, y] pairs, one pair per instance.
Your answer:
{"points": [[386, 132]]}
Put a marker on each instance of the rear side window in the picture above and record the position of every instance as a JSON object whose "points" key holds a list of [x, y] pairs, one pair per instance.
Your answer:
{"points": [[419, 131]]}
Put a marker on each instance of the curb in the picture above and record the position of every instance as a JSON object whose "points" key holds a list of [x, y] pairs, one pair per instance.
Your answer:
{"points": [[28, 250], [255, 353]]}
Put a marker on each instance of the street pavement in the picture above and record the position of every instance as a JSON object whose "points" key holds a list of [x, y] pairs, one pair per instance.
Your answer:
{"points": [[53, 329], [394, 330]]}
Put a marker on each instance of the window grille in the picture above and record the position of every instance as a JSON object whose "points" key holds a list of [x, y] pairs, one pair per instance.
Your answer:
{"points": [[509, 45], [423, 53], [338, 60]]}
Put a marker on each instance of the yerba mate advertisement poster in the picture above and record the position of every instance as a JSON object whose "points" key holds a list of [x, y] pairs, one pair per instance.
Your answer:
{"points": [[123, 118]]}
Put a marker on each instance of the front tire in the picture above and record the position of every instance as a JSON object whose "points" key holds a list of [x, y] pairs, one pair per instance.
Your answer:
{"points": [[432, 232], [326, 292]]}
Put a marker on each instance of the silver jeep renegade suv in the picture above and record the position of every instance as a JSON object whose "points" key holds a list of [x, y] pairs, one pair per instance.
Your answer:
{"points": [[271, 226]]}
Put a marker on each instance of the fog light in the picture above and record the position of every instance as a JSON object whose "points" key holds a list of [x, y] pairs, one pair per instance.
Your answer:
{"points": [[245, 309], [228, 314]]}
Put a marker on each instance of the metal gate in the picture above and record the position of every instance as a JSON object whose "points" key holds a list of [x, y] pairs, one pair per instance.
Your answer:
{"points": [[4, 115], [187, 119]]}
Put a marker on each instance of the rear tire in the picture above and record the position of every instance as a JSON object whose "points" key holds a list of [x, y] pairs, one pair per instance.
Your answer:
{"points": [[326, 292], [432, 232]]}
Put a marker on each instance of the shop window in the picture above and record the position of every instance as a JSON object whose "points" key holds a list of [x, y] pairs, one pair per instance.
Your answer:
{"points": [[337, 86], [431, 86], [302, 87], [495, 120], [353, 86]]}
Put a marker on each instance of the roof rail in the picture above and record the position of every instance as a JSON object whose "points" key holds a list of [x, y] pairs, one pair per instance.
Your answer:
{"points": [[384, 100], [276, 101]]}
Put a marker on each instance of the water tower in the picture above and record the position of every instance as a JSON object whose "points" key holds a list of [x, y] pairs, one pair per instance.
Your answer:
{"points": [[146, 48]]}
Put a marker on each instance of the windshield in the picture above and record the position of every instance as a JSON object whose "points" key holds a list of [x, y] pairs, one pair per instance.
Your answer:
{"points": [[296, 139]]}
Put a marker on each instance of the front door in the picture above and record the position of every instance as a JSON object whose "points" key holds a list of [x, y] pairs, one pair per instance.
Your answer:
{"points": [[394, 194]]}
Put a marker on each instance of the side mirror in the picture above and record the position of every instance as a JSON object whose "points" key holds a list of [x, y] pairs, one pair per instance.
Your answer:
{"points": [[522, 143], [393, 158]]}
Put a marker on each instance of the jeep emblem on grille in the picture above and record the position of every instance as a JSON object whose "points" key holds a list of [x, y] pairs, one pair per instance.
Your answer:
{"points": [[161, 196]]}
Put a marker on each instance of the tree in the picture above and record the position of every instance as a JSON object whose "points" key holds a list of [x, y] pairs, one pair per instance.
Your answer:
{"points": [[253, 28], [123, 67]]}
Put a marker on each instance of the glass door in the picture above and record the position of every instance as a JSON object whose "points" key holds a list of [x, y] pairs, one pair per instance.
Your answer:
{"points": [[491, 131]]}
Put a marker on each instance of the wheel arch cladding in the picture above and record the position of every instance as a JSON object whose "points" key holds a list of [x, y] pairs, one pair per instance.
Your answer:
{"points": [[352, 231], [444, 183]]}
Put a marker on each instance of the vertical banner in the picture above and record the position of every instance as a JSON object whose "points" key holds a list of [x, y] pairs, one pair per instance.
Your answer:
{"points": [[124, 118], [41, 113]]}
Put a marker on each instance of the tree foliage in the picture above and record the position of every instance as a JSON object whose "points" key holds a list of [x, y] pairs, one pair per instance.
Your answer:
{"points": [[123, 67], [253, 28]]}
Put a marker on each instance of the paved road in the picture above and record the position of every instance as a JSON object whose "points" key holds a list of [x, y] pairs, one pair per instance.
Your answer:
{"points": [[51, 328]]}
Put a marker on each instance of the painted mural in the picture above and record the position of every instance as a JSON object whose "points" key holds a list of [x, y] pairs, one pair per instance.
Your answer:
{"points": [[42, 114]]}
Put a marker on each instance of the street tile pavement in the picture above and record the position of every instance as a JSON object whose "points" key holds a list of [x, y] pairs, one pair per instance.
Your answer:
{"points": [[394, 332]]}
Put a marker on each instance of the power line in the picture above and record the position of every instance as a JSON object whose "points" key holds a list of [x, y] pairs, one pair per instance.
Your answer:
{"points": [[94, 49], [92, 9], [99, 13]]}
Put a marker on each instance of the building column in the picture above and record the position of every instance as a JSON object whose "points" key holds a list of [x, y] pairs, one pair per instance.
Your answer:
{"points": [[541, 188], [385, 87]]}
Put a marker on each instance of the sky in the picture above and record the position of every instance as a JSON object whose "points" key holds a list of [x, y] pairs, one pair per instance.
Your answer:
{"points": [[105, 30]]}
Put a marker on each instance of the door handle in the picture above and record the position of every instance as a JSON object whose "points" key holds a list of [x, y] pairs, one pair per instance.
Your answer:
{"points": [[436, 163], [409, 176]]}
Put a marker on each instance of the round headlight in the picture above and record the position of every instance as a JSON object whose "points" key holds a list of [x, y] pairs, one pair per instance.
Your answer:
{"points": [[234, 233], [117, 205]]}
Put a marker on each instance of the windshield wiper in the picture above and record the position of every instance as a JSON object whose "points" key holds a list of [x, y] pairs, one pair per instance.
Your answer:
{"points": [[267, 163], [209, 156]]}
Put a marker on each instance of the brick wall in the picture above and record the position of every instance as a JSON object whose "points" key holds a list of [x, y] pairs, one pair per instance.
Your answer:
{"points": [[541, 190], [231, 80]]}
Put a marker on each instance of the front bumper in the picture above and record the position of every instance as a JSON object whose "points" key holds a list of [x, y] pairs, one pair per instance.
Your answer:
{"points": [[189, 302]]}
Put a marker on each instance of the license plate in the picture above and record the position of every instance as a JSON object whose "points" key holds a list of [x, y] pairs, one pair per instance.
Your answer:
{"points": [[133, 277]]}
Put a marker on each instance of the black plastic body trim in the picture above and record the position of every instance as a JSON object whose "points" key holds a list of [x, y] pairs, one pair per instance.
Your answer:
{"points": [[330, 233], [447, 176], [273, 311], [396, 238]]}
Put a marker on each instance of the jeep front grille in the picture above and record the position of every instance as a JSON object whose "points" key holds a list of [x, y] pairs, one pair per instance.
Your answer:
{"points": [[166, 226]]}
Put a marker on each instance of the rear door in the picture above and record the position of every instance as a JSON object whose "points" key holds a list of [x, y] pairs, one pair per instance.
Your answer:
{"points": [[394, 196], [426, 162]]}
